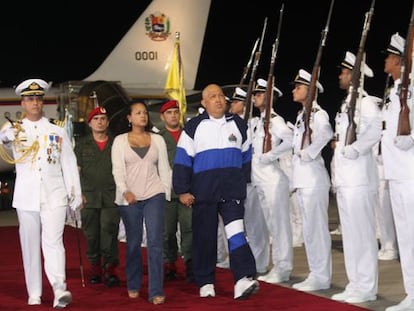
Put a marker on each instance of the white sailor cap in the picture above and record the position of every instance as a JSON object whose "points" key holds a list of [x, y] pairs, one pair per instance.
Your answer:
{"points": [[304, 77], [349, 63], [261, 86], [32, 87], [396, 45], [239, 94]]}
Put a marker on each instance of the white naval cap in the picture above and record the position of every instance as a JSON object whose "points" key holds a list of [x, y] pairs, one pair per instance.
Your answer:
{"points": [[304, 77], [349, 63], [396, 45], [239, 94], [261, 86], [32, 87]]}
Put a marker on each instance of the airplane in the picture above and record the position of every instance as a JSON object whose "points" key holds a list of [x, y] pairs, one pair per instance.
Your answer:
{"points": [[135, 69]]}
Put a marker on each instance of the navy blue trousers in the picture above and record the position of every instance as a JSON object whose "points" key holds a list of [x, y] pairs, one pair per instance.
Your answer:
{"points": [[205, 222]]}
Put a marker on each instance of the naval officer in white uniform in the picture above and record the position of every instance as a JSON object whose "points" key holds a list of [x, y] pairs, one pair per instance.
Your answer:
{"points": [[356, 182], [47, 181]]}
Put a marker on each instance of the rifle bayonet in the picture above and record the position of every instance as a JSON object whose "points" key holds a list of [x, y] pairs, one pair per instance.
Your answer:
{"points": [[248, 110]]}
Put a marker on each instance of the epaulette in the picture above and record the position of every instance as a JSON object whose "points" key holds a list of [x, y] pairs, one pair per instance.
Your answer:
{"points": [[57, 122]]}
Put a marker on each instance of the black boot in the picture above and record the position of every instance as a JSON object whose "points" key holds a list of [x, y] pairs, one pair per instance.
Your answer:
{"points": [[95, 274], [189, 276], [170, 271], [110, 277]]}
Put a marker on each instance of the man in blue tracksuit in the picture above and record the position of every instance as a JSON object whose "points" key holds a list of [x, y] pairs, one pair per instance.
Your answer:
{"points": [[211, 171]]}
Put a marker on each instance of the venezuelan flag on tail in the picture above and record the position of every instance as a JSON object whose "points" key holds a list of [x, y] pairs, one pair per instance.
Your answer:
{"points": [[174, 86]]}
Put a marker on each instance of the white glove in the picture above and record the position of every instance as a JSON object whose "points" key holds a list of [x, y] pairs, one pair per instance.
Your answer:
{"points": [[75, 202], [267, 158], [8, 135], [350, 152], [304, 156], [404, 142]]}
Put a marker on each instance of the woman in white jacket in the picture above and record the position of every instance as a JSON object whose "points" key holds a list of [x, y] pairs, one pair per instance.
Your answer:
{"points": [[143, 180]]}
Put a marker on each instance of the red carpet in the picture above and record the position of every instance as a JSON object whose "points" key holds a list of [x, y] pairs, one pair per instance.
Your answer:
{"points": [[180, 295]]}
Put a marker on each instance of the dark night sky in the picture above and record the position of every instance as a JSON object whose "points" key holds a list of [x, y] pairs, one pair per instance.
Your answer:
{"points": [[67, 40]]}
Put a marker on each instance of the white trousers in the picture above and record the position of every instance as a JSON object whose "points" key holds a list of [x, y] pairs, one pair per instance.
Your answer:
{"points": [[402, 201], [43, 232], [273, 200], [314, 204], [385, 219], [356, 207], [256, 230], [295, 219]]}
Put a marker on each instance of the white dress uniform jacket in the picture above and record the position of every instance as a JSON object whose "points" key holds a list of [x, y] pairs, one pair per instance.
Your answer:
{"points": [[399, 163], [363, 171], [50, 170], [311, 173], [281, 142]]}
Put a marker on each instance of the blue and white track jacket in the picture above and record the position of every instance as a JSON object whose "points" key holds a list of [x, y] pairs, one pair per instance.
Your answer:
{"points": [[213, 159]]}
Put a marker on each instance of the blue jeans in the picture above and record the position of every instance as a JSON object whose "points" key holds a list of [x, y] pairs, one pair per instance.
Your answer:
{"points": [[152, 212]]}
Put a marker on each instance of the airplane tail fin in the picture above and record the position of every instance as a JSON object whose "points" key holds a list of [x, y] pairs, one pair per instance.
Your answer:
{"points": [[141, 58]]}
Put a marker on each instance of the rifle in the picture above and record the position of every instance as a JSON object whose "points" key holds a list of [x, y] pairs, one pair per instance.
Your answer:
{"points": [[249, 63], [248, 111], [306, 138], [267, 140], [404, 127], [355, 80]]}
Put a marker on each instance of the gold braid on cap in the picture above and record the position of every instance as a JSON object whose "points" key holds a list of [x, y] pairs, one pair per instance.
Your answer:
{"points": [[19, 147]]}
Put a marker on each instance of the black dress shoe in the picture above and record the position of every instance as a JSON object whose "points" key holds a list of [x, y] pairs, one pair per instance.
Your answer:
{"points": [[170, 271], [95, 279], [189, 275], [110, 277], [112, 281], [95, 273]]}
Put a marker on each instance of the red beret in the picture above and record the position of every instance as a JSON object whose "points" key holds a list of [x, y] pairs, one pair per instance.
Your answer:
{"points": [[95, 112], [168, 105]]}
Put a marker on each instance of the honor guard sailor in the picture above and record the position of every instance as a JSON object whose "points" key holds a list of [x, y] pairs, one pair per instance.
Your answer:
{"points": [[356, 183], [311, 180], [267, 202], [398, 157]]}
